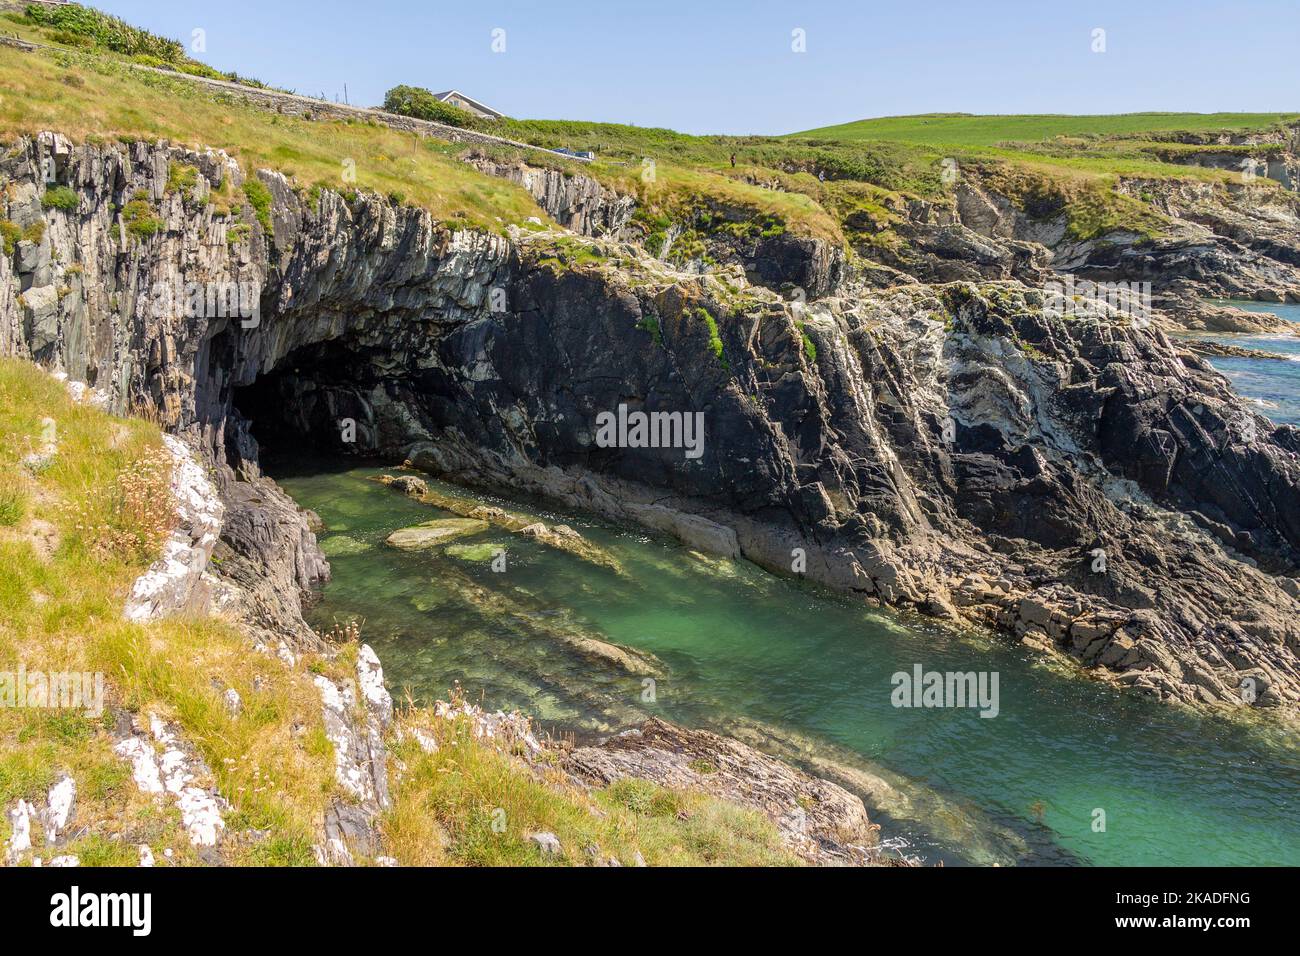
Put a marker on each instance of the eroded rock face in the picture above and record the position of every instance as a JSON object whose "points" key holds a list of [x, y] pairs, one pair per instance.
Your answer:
{"points": [[772, 258], [1231, 240], [1080, 483], [576, 202]]}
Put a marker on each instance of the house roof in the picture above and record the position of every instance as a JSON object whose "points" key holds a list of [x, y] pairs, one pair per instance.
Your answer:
{"points": [[447, 94]]}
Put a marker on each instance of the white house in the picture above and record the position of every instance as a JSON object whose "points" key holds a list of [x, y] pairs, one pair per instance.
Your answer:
{"points": [[457, 98]]}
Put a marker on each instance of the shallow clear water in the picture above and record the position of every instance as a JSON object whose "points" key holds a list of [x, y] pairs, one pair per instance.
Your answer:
{"points": [[1273, 386], [807, 674]]}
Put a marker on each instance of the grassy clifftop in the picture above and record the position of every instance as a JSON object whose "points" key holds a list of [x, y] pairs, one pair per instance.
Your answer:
{"points": [[964, 129], [76, 528], [850, 184], [89, 96]]}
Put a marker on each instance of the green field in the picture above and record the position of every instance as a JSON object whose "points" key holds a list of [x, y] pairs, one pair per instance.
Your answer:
{"points": [[964, 129]]}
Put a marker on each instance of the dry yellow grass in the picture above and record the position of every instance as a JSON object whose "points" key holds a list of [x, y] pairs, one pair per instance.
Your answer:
{"points": [[61, 598], [91, 97]]}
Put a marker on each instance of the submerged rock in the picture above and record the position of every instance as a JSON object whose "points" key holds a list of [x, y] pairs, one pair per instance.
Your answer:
{"points": [[430, 534], [965, 828], [568, 633], [342, 545], [474, 552], [561, 537], [407, 484]]}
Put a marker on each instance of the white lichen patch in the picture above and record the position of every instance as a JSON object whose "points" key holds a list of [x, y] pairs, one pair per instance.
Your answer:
{"points": [[172, 581], [59, 804], [352, 765], [370, 675], [53, 819], [144, 763], [166, 765], [356, 726], [20, 839]]}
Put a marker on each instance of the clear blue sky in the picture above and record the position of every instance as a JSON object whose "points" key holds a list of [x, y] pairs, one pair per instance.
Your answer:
{"points": [[727, 67]]}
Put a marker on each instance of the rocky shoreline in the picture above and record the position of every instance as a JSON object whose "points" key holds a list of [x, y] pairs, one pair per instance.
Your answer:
{"points": [[1227, 350], [950, 447]]}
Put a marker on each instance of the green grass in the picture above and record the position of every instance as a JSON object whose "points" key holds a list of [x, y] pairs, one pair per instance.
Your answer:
{"points": [[650, 325], [85, 28], [809, 348], [259, 197], [12, 506], [140, 219], [715, 337], [10, 233], [181, 176], [963, 129], [849, 184], [566, 252], [772, 178], [60, 197]]}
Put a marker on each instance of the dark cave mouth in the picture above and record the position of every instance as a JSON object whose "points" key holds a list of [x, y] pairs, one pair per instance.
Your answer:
{"points": [[314, 404]]}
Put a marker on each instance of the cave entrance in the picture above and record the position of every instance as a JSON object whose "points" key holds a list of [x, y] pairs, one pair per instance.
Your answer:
{"points": [[315, 407]]}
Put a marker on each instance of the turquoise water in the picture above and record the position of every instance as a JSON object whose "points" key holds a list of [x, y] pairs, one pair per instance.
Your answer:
{"points": [[1272, 385], [808, 675]]}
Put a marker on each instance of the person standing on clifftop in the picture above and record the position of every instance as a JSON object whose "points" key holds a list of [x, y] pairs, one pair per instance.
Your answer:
{"points": [[733, 160]]}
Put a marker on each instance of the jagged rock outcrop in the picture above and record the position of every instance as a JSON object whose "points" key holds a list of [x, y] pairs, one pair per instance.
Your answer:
{"points": [[357, 716], [176, 580], [819, 820], [1218, 240], [1272, 153], [773, 258], [576, 202], [1211, 240], [167, 765], [1079, 482]]}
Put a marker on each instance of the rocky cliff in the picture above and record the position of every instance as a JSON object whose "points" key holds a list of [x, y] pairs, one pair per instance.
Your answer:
{"points": [[1077, 482], [1189, 239]]}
